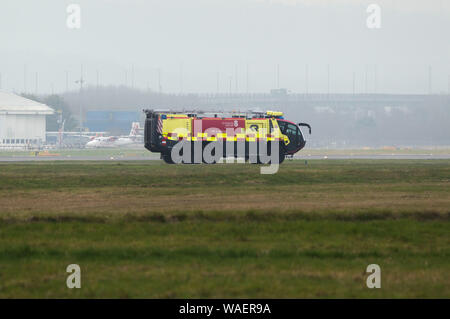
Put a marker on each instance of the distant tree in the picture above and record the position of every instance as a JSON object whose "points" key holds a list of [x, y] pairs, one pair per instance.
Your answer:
{"points": [[61, 108]]}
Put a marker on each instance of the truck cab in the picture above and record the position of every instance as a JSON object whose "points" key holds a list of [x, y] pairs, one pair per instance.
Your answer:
{"points": [[292, 131]]}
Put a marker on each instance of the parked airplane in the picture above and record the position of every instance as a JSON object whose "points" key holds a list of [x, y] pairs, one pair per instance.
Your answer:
{"points": [[71, 138], [117, 141]]}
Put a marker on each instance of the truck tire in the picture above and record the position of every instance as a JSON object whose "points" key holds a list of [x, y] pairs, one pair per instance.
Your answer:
{"points": [[212, 153], [167, 158]]}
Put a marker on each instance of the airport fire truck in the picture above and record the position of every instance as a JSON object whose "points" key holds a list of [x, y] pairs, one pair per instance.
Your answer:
{"points": [[241, 134]]}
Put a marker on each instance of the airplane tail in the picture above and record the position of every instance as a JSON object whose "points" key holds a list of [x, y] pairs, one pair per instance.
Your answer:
{"points": [[134, 129]]}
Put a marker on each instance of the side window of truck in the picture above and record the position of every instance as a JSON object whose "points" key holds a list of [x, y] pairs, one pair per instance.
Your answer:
{"points": [[282, 126]]}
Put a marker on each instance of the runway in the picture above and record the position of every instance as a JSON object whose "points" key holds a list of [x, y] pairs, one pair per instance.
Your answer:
{"points": [[376, 156], [151, 157]]}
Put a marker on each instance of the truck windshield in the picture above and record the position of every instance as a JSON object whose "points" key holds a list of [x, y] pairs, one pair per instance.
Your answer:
{"points": [[288, 128], [294, 134]]}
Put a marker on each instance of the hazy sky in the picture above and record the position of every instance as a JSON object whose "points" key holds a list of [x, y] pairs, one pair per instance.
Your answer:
{"points": [[195, 43]]}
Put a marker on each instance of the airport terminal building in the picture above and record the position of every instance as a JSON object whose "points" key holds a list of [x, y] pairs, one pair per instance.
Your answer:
{"points": [[22, 121]]}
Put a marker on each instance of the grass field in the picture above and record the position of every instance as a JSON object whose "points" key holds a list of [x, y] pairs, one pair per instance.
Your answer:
{"points": [[142, 152], [146, 229]]}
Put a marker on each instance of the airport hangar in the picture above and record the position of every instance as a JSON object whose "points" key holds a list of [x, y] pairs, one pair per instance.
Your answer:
{"points": [[22, 121]]}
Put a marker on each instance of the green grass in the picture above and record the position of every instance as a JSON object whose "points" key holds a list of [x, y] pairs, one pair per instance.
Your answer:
{"points": [[162, 231], [66, 174], [79, 152], [144, 153]]}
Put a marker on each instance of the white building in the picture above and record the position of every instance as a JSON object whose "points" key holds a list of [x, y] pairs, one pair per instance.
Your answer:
{"points": [[22, 121]]}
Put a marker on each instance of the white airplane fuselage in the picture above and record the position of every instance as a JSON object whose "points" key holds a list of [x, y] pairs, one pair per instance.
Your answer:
{"points": [[104, 142], [117, 141]]}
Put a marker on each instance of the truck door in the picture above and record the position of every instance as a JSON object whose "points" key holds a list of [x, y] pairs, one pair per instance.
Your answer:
{"points": [[292, 131], [257, 127]]}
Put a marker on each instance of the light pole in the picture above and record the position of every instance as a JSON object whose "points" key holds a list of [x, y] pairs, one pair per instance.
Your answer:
{"points": [[80, 81]]}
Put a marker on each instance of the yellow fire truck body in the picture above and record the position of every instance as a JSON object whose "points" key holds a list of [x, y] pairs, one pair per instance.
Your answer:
{"points": [[163, 130]]}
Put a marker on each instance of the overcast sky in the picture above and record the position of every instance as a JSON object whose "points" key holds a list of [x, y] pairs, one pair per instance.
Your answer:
{"points": [[205, 45]]}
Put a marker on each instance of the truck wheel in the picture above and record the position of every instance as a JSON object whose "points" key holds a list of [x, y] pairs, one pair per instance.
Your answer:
{"points": [[213, 153], [167, 158]]}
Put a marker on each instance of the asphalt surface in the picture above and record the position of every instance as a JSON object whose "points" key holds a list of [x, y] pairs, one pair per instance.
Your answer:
{"points": [[153, 157], [384, 156]]}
